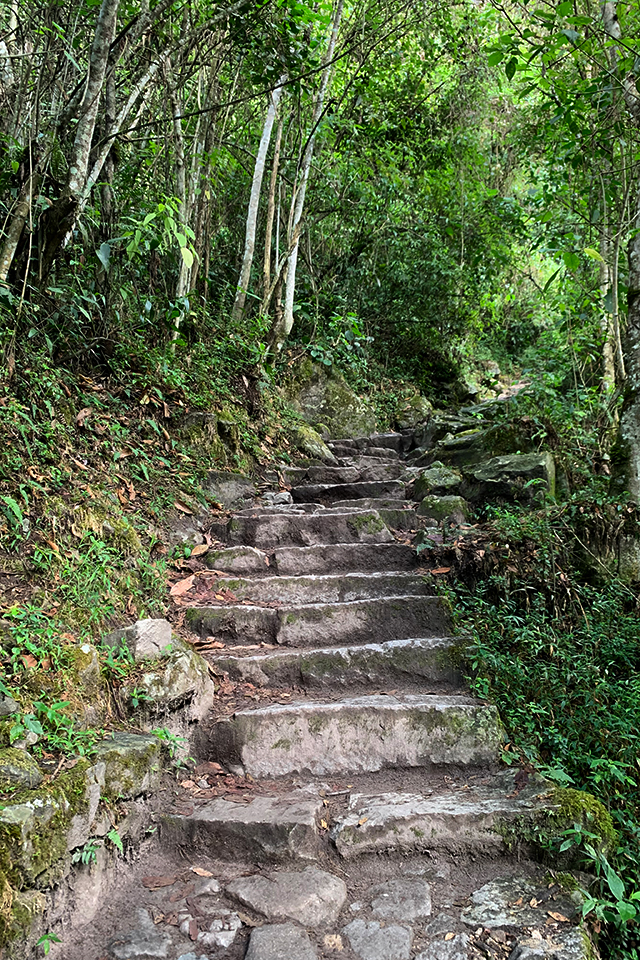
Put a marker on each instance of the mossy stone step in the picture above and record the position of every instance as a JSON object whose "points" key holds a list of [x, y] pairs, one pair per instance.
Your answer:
{"points": [[319, 624], [480, 817], [268, 532], [333, 588], [430, 659], [344, 558], [358, 734]]}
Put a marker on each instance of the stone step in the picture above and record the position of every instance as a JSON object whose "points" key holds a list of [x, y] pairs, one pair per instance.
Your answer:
{"points": [[332, 588], [364, 733], [324, 474], [337, 558], [396, 514], [289, 529], [371, 469], [472, 818], [400, 442], [431, 660], [267, 828], [327, 493], [377, 453], [317, 624]]}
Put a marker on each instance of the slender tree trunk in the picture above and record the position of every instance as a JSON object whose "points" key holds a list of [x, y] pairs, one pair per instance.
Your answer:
{"points": [[283, 329], [254, 202], [14, 231], [630, 419], [271, 208]]}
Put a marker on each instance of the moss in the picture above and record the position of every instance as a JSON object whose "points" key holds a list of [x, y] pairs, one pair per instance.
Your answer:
{"points": [[367, 523], [579, 807], [27, 907], [317, 725], [282, 744]]}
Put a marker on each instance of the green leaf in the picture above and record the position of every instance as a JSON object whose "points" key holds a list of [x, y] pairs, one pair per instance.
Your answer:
{"points": [[182, 240], [572, 35], [571, 260], [614, 882], [593, 254], [550, 280], [564, 8], [187, 256], [495, 58], [116, 839], [510, 68], [104, 255], [626, 911]]}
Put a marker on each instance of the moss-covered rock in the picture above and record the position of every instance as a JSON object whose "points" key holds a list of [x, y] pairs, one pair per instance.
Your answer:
{"points": [[438, 480], [413, 410], [309, 441], [179, 679], [132, 762], [229, 489], [17, 767], [323, 396], [439, 508], [510, 478]]}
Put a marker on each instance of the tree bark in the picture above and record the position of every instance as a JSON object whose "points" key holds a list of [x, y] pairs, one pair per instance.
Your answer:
{"points": [[254, 203], [271, 209], [630, 419], [14, 231]]}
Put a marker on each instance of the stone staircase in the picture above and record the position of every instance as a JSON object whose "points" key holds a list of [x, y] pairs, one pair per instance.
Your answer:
{"points": [[379, 815]]}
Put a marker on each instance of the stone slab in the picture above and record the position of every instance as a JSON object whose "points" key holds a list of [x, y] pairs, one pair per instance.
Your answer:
{"points": [[317, 624], [331, 558], [394, 661], [401, 900], [238, 560], [358, 734], [327, 493], [311, 897], [455, 949], [470, 819], [277, 530], [372, 941], [572, 944], [145, 941], [279, 828], [280, 942], [318, 588], [506, 903], [145, 639], [131, 760]]}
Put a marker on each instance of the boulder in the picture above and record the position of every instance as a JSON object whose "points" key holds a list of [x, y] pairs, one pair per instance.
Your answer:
{"points": [[18, 768], [412, 411], [478, 444], [323, 396], [131, 761], [145, 639], [439, 508], [510, 477], [229, 489], [182, 678], [438, 480], [309, 441]]}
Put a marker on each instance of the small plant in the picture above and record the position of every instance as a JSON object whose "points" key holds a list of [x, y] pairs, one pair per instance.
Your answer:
{"points": [[116, 839], [46, 940], [88, 854], [172, 740]]}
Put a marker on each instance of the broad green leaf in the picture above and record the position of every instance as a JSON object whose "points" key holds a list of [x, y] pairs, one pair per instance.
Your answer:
{"points": [[187, 256], [495, 58], [571, 260], [593, 254], [510, 68]]}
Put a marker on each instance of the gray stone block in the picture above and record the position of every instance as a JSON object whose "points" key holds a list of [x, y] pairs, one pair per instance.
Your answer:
{"points": [[312, 897], [282, 941]]}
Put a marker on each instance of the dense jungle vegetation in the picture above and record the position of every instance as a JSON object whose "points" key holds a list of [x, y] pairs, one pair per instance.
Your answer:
{"points": [[442, 198]]}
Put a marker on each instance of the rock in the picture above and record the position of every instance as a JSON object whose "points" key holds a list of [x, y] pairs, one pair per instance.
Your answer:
{"points": [[238, 560], [229, 489], [401, 900], [412, 411], [192, 956], [455, 949], [371, 941], [310, 442], [131, 760], [312, 897], [222, 931], [440, 925], [8, 706], [200, 429], [145, 639], [146, 942], [439, 508], [283, 497], [572, 944], [510, 477], [507, 903], [323, 396], [438, 480], [19, 767], [280, 942], [184, 678]]}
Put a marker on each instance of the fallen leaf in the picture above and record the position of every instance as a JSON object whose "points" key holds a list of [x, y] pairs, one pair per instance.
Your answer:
{"points": [[441, 570], [199, 549], [155, 883], [187, 783], [29, 660], [193, 930], [449, 936], [248, 922], [181, 507], [324, 824], [533, 902], [82, 416], [201, 872], [182, 586], [333, 941], [362, 820], [558, 916]]}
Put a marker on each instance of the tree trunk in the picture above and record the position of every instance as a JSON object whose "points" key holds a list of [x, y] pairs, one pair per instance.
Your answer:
{"points": [[14, 232], [254, 202], [283, 329], [630, 419], [271, 209]]}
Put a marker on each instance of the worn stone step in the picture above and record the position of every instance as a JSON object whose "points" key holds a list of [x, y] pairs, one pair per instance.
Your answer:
{"points": [[267, 532], [267, 828], [327, 493], [317, 624], [332, 588], [377, 453], [373, 469], [339, 558], [432, 659], [358, 734], [478, 816], [325, 474], [396, 514], [400, 442]]}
